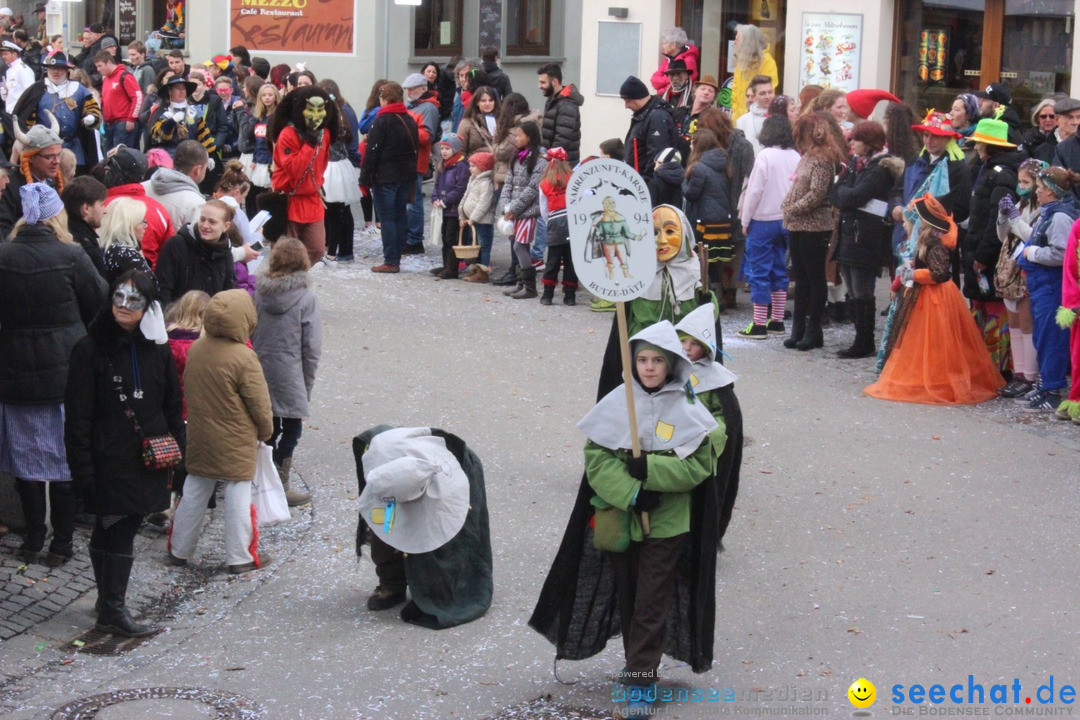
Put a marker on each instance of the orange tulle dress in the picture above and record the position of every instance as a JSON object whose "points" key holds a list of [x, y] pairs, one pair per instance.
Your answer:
{"points": [[938, 356]]}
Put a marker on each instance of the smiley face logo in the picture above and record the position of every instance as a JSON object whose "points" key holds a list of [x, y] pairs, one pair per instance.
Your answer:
{"points": [[862, 693]]}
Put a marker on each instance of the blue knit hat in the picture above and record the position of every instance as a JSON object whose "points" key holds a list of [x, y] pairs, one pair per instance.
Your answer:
{"points": [[39, 202]]}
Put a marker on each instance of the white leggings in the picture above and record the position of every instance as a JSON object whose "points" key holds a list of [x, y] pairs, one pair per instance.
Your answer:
{"points": [[241, 537]]}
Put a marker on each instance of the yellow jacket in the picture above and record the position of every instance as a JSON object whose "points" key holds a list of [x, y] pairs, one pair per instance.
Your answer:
{"points": [[742, 83]]}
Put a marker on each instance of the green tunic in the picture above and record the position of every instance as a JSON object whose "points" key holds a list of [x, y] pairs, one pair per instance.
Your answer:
{"points": [[612, 232], [675, 478]]}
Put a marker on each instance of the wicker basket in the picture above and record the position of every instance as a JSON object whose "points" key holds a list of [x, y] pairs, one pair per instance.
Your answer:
{"points": [[463, 251]]}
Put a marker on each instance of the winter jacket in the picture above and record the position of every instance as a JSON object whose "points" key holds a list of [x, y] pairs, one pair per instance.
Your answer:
{"points": [[227, 133], [428, 109], [177, 193], [159, 225], [49, 292], [180, 341], [444, 88], [121, 96], [705, 189], [164, 128], [521, 195], [562, 122], [352, 137], [299, 169], [1039, 145], [505, 151], [956, 202], [996, 179], [474, 138], [651, 130], [1050, 235], [741, 156], [688, 54], [188, 263], [392, 146], [366, 120], [864, 239], [244, 279], [1067, 155], [806, 207], [498, 79], [751, 123], [665, 186], [450, 184], [104, 451], [769, 183], [741, 83], [252, 139], [478, 203], [227, 398], [87, 238], [288, 340]]}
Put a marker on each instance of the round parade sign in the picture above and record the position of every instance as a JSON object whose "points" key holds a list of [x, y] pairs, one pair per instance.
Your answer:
{"points": [[611, 229]]}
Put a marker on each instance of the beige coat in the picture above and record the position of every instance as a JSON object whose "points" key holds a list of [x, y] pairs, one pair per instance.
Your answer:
{"points": [[478, 203], [474, 138], [228, 403]]}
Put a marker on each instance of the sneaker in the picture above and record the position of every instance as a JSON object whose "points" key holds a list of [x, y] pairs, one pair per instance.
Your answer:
{"points": [[384, 599], [1030, 394], [386, 268], [538, 265], [601, 305], [776, 327], [344, 259], [1044, 401], [1015, 388], [754, 331]]}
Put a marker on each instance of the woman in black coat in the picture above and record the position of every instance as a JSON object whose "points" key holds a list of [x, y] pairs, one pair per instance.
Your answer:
{"points": [[104, 449], [863, 244]]}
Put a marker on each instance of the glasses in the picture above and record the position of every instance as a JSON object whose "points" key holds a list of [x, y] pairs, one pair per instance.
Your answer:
{"points": [[1051, 116], [52, 157]]}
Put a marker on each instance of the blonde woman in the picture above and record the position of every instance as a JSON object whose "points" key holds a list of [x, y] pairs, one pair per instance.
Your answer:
{"points": [[121, 237], [751, 58], [253, 140]]}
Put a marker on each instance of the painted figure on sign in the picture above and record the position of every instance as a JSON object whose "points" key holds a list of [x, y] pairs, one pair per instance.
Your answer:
{"points": [[609, 236]]}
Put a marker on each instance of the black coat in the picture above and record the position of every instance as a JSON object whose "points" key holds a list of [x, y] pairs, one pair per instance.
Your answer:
{"points": [[87, 238], [562, 122], [392, 145], [651, 130], [103, 450], [1040, 145], [706, 189], [49, 292], [498, 79], [187, 263], [665, 186], [1067, 155], [864, 239], [996, 179]]}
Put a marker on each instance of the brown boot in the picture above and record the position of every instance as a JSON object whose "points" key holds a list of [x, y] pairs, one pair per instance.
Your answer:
{"points": [[292, 497], [478, 275]]}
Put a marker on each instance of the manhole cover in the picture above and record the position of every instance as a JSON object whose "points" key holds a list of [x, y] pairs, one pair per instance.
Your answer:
{"points": [[222, 706]]}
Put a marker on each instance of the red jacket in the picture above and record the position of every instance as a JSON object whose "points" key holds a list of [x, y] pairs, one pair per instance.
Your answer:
{"points": [[159, 227], [121, 96], [292, 160], [555, 196]]}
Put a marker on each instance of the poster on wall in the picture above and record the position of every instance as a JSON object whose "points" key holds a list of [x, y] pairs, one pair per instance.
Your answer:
{"points": [[831, 50], [315, 26], [933, 54]]}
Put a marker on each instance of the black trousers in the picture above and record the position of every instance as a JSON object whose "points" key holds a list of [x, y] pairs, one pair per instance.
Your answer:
{"points": [[64, 504], [389, 564], [118, 538], [808, 253], [450, 227], [560, 255], [645, 585], [286, 437], [339, 229]]}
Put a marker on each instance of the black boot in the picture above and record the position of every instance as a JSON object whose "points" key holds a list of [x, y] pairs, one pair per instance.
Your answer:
{"points": [[96, 560], [548, 296], [528, 284], [863, 316], [508, 278], [812, 337], [569, 296], [798, 328], [32, 495], [114, 618]]}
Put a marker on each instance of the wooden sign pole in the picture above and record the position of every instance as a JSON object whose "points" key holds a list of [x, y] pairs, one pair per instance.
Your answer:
{"points": [[628, 383]]}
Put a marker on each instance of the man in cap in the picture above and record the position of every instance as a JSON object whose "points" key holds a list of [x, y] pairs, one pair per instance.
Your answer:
{"points": [[39, 161], [423, 104], [124, 171], [7, 17], [18, 76], [1067, 154], [177, 120], [73, 107], [995, 103], [651, 126]]}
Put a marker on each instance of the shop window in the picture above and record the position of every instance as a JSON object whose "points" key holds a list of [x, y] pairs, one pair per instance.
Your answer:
{"points": [[706, 24], [528, 27], [437, 27], [948, 47]]}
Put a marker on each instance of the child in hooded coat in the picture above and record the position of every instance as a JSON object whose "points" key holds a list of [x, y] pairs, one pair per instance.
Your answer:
{"points": [[450, 184], [680, 442]]}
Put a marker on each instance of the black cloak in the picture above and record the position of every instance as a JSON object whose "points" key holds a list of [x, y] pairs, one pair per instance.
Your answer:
{"points": [[577, 610], [452, 585]]}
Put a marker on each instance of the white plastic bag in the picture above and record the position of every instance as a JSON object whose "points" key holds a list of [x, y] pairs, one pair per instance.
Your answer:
{"points": [[505, 226], [267, 494], [435, 238]]}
